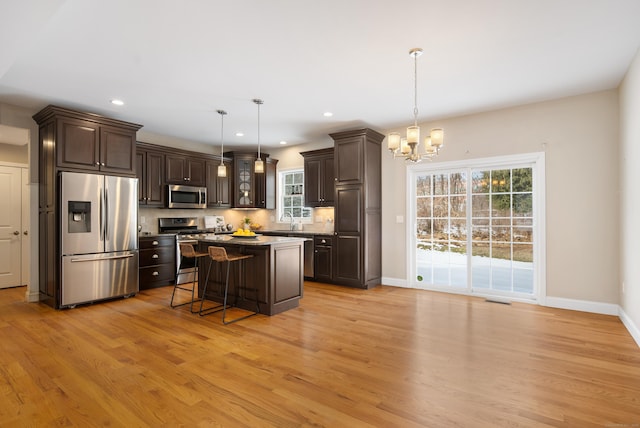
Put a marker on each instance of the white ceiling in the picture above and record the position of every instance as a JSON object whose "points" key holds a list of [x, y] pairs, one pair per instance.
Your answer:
{"points": [[174, 63]]}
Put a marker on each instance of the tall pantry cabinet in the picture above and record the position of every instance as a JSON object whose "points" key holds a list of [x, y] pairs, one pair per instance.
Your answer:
{"points": [[358, 208]]}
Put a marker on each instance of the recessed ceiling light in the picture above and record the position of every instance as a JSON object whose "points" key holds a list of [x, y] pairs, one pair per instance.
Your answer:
{"points": [[327, 114], [239, 134], [117, 102], [283, 142]]}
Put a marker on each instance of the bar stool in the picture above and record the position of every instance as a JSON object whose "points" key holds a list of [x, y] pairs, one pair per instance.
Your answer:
{"points": [[187, 251], [219, 255]]}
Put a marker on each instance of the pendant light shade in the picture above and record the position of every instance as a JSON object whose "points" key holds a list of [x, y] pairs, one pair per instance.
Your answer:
{"points": [[258, 166], [222, 169]]}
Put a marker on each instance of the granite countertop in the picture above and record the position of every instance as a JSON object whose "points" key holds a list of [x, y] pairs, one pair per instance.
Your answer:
{"points": [[294, 232], [153, 235], [259, 240]]}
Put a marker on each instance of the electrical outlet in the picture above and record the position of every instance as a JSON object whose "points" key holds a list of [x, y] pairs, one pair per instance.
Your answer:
{"points": [[143, 220]]}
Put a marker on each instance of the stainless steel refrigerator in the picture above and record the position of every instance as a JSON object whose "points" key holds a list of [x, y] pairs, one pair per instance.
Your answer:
{"points": [[99, 242]]}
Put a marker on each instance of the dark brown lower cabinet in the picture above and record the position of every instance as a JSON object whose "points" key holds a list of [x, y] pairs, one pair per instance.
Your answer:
{"points": [[323, 258], [157, 261], [348, 260]]}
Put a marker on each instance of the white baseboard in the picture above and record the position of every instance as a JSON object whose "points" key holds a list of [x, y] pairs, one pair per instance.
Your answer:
{"points": [[582, 305], [631, 327], [395, 282], [31, 296]]}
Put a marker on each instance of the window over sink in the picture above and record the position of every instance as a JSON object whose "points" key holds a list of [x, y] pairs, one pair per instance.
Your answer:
{"points": [[291, 190]]}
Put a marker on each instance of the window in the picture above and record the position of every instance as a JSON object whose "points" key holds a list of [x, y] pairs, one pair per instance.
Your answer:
{"points": [[292, 197], [478, 227]]}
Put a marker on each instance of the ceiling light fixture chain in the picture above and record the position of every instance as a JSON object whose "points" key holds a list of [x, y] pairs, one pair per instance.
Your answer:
{"points": [[222, 169], [407, 147], [258, 164]]}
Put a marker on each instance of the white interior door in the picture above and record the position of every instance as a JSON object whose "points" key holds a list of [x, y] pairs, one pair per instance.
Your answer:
{"points": [[10, 227]]}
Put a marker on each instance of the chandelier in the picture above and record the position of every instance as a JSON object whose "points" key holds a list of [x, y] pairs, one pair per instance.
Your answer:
{"points": [[407, 147]]}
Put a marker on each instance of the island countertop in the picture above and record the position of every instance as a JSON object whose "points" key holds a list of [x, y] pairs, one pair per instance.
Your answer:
{"points": [[258, 240]]}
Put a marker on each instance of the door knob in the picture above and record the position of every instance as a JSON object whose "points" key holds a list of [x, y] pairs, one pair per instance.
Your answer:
{"points": [[17, 232]]}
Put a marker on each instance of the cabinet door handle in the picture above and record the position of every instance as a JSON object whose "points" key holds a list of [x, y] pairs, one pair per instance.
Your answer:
{"points": [[155, 256], [26, 232], [154, 243], [16, 232], [102, 164], [97, 163], [324, 241], [155, 273]]}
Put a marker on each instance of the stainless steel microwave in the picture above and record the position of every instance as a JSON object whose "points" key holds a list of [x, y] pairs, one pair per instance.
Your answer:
{"points": [[186, 196]]}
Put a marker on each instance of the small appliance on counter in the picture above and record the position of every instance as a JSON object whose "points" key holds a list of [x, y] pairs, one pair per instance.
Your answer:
{"points": [[215, 223]]}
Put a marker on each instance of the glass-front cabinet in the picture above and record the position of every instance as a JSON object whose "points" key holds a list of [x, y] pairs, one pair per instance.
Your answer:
{"points": [[251, 190]]}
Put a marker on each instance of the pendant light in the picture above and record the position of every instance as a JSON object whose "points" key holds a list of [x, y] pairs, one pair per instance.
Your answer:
{"points": [[222, 169], [258, 166], [407, 147]]}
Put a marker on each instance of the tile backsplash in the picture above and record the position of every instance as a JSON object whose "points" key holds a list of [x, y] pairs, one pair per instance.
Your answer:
{"points": [[321, 218]]}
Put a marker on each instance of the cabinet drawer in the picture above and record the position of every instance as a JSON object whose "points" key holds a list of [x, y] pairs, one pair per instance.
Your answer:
{"points": [[157, 241], [157, 275], [157, 256], [323, 241]]}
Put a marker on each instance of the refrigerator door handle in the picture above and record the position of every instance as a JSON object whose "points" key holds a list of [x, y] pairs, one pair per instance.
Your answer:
{"points": [[126, 256], [102, 215], [106, 214]]}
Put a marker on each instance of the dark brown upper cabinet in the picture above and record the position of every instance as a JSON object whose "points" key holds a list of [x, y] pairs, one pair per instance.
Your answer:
{"points": [[150, 172], [185, 170], [319, 178], [88, 142], [218, 188]]}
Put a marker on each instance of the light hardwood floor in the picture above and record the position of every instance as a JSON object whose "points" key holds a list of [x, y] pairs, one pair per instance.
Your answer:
{"points": [[387, 357]]}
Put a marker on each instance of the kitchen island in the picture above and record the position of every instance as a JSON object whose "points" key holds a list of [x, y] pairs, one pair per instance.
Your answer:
{"points": [[274, 275]]}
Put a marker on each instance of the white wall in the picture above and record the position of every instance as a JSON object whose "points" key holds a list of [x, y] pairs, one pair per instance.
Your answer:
{"points": [[21, 118], [579, 135], [630, 198]]}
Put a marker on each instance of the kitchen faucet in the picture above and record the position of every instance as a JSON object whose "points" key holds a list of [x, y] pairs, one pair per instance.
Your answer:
{"points": [[287, 213]]}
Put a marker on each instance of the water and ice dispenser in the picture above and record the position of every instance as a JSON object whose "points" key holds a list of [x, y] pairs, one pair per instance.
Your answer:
{"points": [[79, 217]]}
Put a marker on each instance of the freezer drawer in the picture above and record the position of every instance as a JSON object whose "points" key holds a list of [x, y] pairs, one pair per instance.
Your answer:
{"points": [[88, 278]]}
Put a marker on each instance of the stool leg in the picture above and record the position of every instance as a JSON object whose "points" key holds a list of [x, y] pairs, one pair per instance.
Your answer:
{"points": [[226, 293], [196, 279], [176, 287], [224, 321], [213, 309]]}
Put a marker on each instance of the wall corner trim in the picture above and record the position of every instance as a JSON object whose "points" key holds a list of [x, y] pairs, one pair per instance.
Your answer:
{"points": [[631, 327]]}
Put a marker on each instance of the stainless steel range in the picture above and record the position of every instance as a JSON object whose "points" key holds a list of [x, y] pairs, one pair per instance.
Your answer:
{"points": [[186, 230]]}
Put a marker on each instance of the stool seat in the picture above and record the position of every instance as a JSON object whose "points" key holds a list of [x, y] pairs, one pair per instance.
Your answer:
{"points": [[220, 255], [187, 251]]}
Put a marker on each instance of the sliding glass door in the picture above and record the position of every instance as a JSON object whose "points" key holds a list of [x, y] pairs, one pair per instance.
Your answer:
{"points": [[477, 228]]}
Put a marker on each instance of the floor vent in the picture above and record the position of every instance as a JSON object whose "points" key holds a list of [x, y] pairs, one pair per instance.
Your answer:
{"points": [[498, 300]]}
